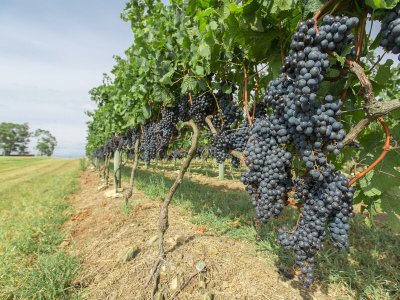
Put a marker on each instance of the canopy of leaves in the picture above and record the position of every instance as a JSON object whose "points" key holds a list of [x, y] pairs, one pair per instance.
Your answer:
{"points": [[46, 142], [193, 46]]}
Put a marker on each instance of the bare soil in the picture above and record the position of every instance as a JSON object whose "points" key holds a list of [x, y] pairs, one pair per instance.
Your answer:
{"points": [[103, 236]]}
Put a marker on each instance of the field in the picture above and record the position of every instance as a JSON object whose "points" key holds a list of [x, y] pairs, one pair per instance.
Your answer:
{"points": [[33, 206], [63, 238]]}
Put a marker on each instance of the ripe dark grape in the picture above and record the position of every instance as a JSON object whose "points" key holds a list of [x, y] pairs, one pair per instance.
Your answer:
{"points": [[390, 31]]}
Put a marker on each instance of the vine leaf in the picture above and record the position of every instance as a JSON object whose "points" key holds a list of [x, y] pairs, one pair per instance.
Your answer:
{"points": [[378, 4], [384, 74], [365, 181], [204, 50]]}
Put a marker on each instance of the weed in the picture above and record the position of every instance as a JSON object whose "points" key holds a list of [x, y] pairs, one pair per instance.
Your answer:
{"points": [[83, 164]]}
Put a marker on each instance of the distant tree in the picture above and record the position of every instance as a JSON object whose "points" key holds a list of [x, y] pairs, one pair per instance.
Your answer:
{"points": [[46, 142], [14, 138]]}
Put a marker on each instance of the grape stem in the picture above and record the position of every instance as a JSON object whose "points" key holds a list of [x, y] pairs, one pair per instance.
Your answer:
{"points": [[319, 12], [245, 95], [386, 148], [361, 40], [255, 91]]}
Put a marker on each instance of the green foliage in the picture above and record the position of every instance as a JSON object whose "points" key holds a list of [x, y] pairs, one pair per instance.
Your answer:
{"points": [[194, 46], [83, 164], [46, 142], [378, 4], [14, 138]]}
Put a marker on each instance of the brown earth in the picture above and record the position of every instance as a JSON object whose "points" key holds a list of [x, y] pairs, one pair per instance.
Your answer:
{"points": [[103, 236]]}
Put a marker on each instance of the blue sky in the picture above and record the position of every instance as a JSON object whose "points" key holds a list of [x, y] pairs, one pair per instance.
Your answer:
{"points": [[52, 53]]}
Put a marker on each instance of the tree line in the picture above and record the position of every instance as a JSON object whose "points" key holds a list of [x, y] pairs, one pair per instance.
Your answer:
{"points": [[15, 138]]}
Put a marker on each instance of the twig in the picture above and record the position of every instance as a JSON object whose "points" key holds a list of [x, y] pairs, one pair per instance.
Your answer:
{"points": [[245, 94], [185, 284], [318, 13], [377, 62], [255, 92], [386, 147], [361, 40]]}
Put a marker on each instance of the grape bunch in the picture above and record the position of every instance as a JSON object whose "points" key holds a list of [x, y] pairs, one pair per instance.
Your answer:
{"points": [[390, 31], [313, 126], [224, 121], [148, 145], [268, 180], [202, 106], [229, 111], [220, 146], [165, 129], [183, 108]]}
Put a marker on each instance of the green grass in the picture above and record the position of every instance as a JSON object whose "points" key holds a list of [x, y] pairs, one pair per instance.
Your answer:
{"points": [[368, 270], [206, 168], [10, 163], [32, 211]]}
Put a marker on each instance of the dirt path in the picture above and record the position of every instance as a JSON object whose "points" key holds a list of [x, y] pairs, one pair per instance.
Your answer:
{"points": [[101, 235]]}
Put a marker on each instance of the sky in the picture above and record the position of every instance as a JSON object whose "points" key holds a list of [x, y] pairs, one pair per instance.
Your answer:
{"points": [[52, 52]]}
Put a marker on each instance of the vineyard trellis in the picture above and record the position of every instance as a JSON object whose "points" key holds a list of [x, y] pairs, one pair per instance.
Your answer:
{"points": [[265, 84]]}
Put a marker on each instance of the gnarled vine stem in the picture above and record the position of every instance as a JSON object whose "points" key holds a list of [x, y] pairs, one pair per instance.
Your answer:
{"points": [[163, 221]]}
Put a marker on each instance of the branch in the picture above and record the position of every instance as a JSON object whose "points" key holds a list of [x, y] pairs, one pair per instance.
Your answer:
{"points": [[377, 110], [210, 124], [386, 147], [366, 86], [318, 13], [255, 92], [361, 40], [373, 108], [163, 220], [245, 94], [356, 130]]}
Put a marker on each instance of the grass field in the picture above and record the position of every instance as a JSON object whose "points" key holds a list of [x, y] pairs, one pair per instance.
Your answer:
{"points": [[368, 270], [33, 207]]}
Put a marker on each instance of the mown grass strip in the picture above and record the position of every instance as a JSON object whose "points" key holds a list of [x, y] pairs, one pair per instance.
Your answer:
{"points": [[32, 265]]}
